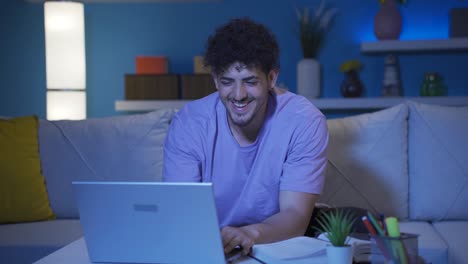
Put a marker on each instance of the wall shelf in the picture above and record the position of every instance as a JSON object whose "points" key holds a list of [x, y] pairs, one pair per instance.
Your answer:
{"points": [[148, 105], [128, 1], [322, 103], [386, 46]]}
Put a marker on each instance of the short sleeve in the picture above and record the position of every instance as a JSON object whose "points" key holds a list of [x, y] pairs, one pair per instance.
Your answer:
{"points": [[306, 160], [182, 162]]}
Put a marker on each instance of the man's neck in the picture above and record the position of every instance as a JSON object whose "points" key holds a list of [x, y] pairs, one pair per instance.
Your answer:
{"points": [[248, 134]]}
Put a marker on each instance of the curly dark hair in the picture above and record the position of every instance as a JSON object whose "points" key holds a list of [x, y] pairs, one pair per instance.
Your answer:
{"points": [[245, 41]]}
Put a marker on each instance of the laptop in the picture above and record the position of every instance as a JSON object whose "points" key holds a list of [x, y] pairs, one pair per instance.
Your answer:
{"points": [[149, 222]]}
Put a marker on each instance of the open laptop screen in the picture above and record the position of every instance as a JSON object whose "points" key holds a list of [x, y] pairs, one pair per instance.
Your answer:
{"points": [[149, 222]]}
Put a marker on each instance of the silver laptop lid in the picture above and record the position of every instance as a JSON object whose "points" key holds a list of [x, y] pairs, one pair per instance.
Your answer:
{"points": [[149, 222]]}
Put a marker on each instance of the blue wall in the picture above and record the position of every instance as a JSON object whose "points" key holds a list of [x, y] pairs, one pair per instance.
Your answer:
{"points": [[116, 33]]}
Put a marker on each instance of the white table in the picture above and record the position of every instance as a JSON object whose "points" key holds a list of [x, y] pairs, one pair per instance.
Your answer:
{"points": [[77, 253]]}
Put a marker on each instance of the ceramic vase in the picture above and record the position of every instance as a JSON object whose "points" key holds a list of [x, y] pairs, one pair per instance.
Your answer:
{"points": [[388, 21], [308, 78], [339, 255], [351, 86]]}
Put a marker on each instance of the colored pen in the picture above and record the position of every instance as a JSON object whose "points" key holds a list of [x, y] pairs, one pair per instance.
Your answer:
{"points": [[375, 223], [368, 225], [382, 220], [394, 231], [378, 241]]}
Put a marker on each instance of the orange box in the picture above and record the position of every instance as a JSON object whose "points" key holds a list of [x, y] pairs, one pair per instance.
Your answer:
{"points": [[151, 65]]}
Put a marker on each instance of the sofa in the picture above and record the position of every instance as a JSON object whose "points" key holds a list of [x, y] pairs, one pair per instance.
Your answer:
{"points": [[408, 161]]}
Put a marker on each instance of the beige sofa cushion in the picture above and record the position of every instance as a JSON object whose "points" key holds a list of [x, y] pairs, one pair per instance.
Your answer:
{"points": [[28, 242], [438, 162], [367, 162], [120, 148], [455, 234]]}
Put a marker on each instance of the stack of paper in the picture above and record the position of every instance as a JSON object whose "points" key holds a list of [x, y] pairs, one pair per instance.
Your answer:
{"points": [[302, 250], [295, 250]]}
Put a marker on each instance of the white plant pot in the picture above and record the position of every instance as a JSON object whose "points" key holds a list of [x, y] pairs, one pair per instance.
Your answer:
{"points": [[339, 255], [308, 78]]}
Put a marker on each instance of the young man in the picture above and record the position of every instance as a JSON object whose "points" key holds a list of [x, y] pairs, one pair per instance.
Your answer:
{"points": [[263, 148]]}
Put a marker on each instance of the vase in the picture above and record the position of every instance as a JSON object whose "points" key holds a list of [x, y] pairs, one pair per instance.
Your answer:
{"points": [[351, 86], [388, 21], [433, 85], [308, 78], [339, 255]]}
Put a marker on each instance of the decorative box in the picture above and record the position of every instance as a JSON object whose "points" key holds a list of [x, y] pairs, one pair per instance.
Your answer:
{"points": [[195, 86], [151, 86]]}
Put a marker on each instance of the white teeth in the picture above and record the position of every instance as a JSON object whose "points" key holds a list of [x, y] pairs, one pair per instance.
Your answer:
{"points": [[239, 105]]}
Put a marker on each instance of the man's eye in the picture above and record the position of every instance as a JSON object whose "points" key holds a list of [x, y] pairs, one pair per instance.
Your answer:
{"points": [[252, 83], [226, 82]]}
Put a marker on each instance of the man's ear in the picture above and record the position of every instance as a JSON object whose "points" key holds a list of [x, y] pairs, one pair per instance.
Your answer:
{"points": [[272, 77]]}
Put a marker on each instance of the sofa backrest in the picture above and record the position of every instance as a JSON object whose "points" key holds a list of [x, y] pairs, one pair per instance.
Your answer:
{"points": [[367, 162], [122, 148], [409, 161], [438, 162]]}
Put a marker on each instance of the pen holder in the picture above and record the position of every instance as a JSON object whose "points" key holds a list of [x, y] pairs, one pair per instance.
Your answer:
{"points": [[395, 250]]}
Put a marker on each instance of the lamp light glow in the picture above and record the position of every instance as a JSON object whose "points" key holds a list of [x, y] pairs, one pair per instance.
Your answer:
{"points": [[65, 60], [66, 105]]}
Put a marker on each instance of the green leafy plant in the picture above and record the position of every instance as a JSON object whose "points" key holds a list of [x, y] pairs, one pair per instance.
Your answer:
{"points": [[313, 28], [337, 225]]}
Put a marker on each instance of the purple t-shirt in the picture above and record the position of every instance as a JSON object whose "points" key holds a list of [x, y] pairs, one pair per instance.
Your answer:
{"points": [[289, 154]]}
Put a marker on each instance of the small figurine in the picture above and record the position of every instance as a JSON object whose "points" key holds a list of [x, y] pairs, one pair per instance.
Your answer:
{"points": [[391, 79]]}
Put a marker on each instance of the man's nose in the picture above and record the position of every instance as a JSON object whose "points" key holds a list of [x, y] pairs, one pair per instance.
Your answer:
{"points": [[240, 93]]}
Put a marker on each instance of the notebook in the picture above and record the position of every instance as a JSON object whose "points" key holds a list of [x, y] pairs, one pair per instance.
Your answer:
{"points": [[307, 250], [149, 222]]}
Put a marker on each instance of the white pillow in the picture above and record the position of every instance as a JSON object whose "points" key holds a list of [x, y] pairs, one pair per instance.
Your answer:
{"points": [[119, 148], [367, 162], [438, 162]]}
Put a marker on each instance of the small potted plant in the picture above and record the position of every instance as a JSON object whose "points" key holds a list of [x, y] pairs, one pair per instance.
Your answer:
{"points": [[337, 225], [312, 27], [351, 86]]}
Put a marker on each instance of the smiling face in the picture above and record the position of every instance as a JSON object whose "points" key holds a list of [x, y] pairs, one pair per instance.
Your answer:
{"points": [[244, 93]]}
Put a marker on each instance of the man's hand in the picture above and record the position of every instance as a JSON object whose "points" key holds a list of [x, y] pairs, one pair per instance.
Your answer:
{"points": [[238, 236], [292, 220]]}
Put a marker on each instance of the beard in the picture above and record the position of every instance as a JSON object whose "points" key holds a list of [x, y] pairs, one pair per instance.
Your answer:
{"points": [[254, 110], [241, 120]]}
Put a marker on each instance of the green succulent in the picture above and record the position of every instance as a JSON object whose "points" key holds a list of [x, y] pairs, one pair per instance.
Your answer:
{"points": [[336, 225]]}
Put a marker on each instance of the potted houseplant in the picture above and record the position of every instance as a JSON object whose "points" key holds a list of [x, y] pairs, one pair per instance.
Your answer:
{"points": [[337, 224], [351, 86], [312, 28]]}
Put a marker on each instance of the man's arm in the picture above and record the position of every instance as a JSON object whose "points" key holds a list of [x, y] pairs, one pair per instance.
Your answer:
{"points": [[292, 220], [181, 161]]}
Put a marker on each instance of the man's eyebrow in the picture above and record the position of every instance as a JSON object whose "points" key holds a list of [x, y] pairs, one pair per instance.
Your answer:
{"points": [[250, 78]]}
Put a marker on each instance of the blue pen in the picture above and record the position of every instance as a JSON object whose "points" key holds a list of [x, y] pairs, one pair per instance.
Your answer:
{"points": [[376, 224], [382, 220]]}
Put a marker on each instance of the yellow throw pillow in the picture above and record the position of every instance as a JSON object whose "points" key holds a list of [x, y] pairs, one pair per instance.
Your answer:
{"points": [[23, 194]]}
